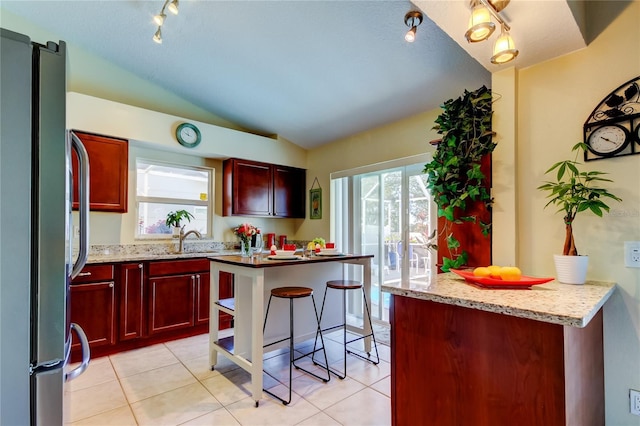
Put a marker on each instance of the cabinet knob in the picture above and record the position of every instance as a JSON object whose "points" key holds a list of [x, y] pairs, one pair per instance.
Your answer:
{"points": [[139, 265], [110, 285], [84, 274]]}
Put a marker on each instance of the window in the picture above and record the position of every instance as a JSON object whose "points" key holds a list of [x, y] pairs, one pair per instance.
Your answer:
{"points": [[386, 210], [162, 187]]}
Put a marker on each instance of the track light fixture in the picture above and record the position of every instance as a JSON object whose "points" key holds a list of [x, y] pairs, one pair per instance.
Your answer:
{"points": [[412, 19], [172, 5], [157, 37], [481, 27]]}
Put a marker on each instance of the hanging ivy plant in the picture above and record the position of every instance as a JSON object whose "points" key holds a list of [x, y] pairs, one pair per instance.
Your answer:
{"points": [[454, 175]]}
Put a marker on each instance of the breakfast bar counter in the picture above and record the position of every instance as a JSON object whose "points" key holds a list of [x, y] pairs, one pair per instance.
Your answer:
{"points": [[254, 277], [461, 354]]}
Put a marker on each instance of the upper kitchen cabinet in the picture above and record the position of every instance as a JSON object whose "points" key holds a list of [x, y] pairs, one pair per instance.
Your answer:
{"points": [[109, 165], [251, 188]]}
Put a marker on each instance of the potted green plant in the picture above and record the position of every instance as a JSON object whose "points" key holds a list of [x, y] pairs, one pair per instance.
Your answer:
{"points": [[574, 191], [175, 218], [455, 177]]}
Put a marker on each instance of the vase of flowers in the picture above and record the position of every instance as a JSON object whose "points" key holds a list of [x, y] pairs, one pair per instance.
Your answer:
{"points": [[245, 232]]}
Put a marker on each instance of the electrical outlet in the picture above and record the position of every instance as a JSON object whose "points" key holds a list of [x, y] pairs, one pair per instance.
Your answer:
{"points": [[632, 254], [634, 402]]}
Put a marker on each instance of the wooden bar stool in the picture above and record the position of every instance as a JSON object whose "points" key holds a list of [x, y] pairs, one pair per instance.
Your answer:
{"points": [[345, 285], [292, 293]]}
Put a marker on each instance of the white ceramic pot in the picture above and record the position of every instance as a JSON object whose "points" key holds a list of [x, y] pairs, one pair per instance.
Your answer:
{"points": [[571, 269]]}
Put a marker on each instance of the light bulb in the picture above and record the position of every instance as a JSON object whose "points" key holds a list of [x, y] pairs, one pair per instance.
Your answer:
{"points": [[157, 37], [410, 36], [504, 50], [159, 18], [480, 25], [173, 7]]}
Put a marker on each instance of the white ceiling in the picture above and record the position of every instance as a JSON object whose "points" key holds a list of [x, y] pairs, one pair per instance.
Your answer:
{"points": [[309, 71]]}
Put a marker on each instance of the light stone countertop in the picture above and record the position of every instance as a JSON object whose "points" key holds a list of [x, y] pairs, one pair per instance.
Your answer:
{"points": [[139, 257], [554, 302]]}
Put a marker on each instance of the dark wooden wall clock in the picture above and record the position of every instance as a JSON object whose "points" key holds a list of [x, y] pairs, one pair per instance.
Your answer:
{"points": [[613, 128]]}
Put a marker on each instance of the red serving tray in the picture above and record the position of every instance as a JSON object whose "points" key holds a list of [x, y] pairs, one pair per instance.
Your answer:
{"points": [[487, 282]]}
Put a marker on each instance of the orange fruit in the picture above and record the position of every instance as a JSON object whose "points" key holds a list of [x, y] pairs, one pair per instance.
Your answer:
{"points": [[494, 271], [510, 273], [481, 271]]}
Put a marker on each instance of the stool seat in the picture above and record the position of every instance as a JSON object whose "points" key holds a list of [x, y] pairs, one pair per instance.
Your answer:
{"points": [[291, 292], [344, 284]]}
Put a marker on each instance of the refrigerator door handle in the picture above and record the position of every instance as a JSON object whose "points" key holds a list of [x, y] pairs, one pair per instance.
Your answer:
{"points": [[86, 354], [83, 210]]}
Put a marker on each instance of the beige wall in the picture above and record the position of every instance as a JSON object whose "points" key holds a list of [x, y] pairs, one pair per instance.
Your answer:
{"points": [[553, 100], [401, 139]]}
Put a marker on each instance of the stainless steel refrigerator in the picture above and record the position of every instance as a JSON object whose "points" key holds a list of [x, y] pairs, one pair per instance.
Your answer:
{"points": [[36, 253]]}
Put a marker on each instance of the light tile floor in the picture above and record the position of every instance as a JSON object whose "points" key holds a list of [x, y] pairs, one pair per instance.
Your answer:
{"points": [[171, 384]]}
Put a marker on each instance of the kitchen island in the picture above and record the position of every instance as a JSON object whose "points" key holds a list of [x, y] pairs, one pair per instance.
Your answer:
{"points": [[467, 355], [254, 279]]}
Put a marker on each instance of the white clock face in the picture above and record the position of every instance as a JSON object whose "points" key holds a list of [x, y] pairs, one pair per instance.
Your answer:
{"points": [[188, 135], [608, 139]]}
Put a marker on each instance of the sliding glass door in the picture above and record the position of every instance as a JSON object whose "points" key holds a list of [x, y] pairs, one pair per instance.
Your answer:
{"points": [[386, 213]]}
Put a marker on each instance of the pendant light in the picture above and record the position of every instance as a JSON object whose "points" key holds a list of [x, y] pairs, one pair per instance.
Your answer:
{"points": [[412, 19], [173, 7], [480, 25], [504, 50], [157, 37]]}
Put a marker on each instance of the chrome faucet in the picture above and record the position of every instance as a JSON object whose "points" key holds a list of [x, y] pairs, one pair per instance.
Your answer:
{"points": [[184, 235]]}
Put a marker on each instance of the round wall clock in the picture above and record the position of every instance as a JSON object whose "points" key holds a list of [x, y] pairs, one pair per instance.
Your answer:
{"points": [[188, 135], [608, 139]]}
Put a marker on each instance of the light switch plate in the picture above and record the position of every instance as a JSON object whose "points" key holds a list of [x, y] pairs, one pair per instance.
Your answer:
{"points": [[632, 254]]}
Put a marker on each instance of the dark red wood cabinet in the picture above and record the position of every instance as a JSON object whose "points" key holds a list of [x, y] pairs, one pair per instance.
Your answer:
{"points": [[93, 305], [252, 188], [108, 172], [289, 192], [172, 290], [453, 365], [132, 296], [124, 306]]}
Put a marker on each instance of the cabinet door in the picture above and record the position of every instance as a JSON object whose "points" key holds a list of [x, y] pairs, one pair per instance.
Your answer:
{"points": [[108, 163], [247, 188], [226, 292], [131, 322], [289, 185], [171, 303], [202, 297], [93, 308]]}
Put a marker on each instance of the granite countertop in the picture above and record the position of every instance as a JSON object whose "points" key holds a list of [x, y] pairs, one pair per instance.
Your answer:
{"points": [[554, 302], [135, 257]]}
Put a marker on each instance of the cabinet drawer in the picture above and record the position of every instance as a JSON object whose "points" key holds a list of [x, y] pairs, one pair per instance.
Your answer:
{"points": [[91, 273], [173, 267]]}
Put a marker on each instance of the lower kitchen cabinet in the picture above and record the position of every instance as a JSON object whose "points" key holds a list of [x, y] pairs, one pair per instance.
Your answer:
{"points": [[93, 305], [124, 306], [202, 298], [171, 303], [132, 312]]}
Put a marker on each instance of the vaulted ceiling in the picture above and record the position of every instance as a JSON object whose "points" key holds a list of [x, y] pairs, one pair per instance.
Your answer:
{"points": [[309, 71]]}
